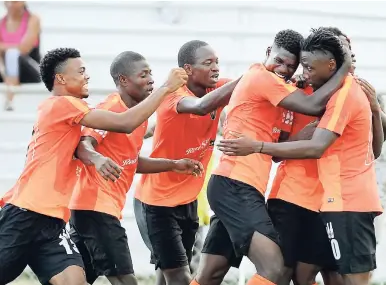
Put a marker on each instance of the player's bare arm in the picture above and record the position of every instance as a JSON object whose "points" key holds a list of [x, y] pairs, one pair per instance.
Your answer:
{"points": [[315, 105], [128, 121], [106, 167], [157, 165], [208, 103], [303, 149]]}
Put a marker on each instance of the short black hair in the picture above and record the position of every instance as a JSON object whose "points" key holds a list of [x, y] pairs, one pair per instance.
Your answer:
{"points": [[52, 63], [336, 31], [289, 40], [324, 40], [122, 64], [187, 53]]}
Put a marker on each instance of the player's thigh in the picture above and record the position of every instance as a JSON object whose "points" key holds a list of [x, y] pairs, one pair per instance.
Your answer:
{"points": [[189, 225], [165, 236], [242, 210], [91, 275], [106, 242], [286, 220], [218, 255], [55, 255], [315, 247], [352, 239], [16, 232]]}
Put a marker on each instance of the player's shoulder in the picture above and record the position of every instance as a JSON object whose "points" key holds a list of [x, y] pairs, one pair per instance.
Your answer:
{"points": [[112, 101]]}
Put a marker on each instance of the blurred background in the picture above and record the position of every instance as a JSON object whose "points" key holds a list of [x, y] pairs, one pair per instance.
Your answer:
{"points": [[239, 31]]}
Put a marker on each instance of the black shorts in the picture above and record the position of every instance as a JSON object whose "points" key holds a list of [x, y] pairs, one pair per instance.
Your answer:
{"points": [[303, 236], [168, 232], [102, 242], [241, 211], [29, 238], [352, 238]]}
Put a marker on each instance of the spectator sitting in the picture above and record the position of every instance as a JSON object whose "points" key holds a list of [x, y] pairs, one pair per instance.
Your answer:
{"points": [[19, 48]]}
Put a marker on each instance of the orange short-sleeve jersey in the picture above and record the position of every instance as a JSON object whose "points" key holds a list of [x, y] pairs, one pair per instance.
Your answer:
{"points": [[179, 136], [346, 169], [252, 111], [94, 193], [297, 181], [50, 172]]}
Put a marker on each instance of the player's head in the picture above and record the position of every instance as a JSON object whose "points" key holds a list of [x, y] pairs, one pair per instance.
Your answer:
{"points": [[132, 74], [200, 62], [283, 55], [345, 41], [322, 55], [64, 70]]}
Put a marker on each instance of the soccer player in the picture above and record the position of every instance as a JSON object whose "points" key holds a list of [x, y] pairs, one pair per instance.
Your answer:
{"points": [[166, 203], [343, 145], [32, 223], [294, 203], [97, 204], [241, 225]]}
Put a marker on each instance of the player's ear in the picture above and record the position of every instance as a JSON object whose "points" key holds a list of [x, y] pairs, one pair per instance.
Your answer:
{"points": [[332, 65], [60, 78], [122, 80], [188, 68]]}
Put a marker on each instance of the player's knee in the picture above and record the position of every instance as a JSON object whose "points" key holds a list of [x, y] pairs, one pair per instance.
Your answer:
{"points": [[212, 270], [128, 279], [178, 276], [72, 275]]}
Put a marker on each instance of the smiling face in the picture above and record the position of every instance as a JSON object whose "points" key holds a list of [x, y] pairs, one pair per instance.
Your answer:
{"points": [[74, 78], [281, 62]]}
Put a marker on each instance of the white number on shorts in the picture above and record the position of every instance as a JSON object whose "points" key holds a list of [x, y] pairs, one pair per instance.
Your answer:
{"points": [[335, 249], [65, 237]]}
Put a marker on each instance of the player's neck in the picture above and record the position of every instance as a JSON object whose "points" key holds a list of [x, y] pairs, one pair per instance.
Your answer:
{"points": [[127, 99], [198, 91]]}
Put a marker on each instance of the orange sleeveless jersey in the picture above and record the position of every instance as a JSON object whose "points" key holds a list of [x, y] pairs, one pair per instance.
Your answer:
{"points": [[94, 193], [297, 181], [346, 169], [179, 136], [50, 172], [253, 112]]}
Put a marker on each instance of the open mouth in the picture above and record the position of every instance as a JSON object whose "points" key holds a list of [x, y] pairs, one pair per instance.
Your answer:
{"points": [[215, 77], [280, 75], [150, 90], [85, 86]]}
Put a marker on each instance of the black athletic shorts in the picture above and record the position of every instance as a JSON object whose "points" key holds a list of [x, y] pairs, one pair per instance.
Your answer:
{"points": [[303, 236], [352, 238], [240, 211], [168, 232], [102, 242], [29, 238]]}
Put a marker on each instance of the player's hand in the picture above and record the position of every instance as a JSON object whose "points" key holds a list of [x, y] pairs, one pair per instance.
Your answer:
{"points": [[300, 80], [189, 166], [308, 131], [108, 168], [370, 92], [177, 78], [240, 146]]}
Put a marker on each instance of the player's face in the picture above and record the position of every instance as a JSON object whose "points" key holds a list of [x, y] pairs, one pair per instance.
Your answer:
{"points": [[318, 67], [205, 72], [139, 85], [346, 43], [281, 62], [75, 78]]}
